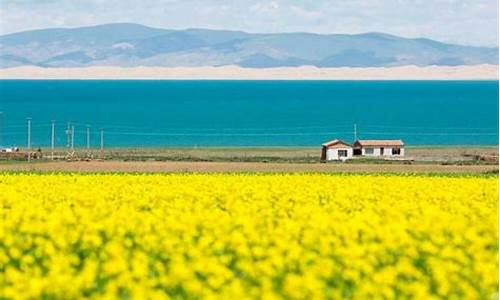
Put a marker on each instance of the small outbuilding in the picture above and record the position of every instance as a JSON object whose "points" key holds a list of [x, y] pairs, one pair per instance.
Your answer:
{"points": [[336, 150], [379, 148], [8, 149]]}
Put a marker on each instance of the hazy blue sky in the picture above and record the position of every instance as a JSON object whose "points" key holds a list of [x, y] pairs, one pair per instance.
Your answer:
{"points": [[471, 22]]}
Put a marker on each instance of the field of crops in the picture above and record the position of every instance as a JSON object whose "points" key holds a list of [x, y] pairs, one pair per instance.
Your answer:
{"points": [[229, 236]]}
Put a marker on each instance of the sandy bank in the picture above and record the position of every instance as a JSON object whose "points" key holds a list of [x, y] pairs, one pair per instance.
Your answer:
{"points": [[478, 72]]}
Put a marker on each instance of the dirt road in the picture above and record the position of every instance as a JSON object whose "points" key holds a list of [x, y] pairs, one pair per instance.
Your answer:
{"points": [[153, 166]]}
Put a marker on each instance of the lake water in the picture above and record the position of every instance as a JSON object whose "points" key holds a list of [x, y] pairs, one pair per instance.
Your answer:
{"points": [[249, 113]]}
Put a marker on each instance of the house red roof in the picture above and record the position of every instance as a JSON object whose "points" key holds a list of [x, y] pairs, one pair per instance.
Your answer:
{"points": [[334, 143], [378, 143]]}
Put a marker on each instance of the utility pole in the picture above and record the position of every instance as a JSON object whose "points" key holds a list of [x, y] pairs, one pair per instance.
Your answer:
{"points": [[102, 144], [88, 142], [29, 139], [72, 137], [355, 132], [102, 140], [53, 138], [68, 135], [1, 133], [88, 137]]}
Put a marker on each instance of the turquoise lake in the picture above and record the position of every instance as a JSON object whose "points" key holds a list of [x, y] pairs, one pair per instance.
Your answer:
{"points": [[249, 113]]}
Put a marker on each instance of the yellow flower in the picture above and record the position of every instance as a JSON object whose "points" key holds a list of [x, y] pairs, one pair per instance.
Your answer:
{"points": [[248, 236]]}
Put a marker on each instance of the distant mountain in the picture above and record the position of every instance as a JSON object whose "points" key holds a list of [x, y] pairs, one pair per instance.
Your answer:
{"points": [[136, 45]]}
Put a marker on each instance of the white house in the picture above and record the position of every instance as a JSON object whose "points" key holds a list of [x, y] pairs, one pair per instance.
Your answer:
{"points": [[8, 149], [394, 148], [336, 150]]}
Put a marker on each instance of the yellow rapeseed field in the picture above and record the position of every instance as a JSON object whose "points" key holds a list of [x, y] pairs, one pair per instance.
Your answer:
{"points": [[239, 236]]}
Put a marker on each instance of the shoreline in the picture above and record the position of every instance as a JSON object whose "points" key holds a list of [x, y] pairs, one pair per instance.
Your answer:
{"points": [[414, 155], [458, 160], [445, 73]]}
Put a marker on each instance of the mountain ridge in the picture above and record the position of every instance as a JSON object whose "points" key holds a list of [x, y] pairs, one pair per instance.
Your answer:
{"points": [[130, 45]]}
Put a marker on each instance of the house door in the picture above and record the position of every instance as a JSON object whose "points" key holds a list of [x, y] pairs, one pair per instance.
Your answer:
{"points": [[381, 151]]}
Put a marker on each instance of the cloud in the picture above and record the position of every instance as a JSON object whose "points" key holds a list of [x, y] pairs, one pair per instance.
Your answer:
{"points": [[265, 7], [471, 22]]}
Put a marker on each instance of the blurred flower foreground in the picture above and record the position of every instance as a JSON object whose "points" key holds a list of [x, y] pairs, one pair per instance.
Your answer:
{"points": [[248, 236]]}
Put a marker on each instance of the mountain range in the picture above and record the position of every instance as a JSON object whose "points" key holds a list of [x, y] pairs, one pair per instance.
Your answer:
{"points": [[129, 45]]}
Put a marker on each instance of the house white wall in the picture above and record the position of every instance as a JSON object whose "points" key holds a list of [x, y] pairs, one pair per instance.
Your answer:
{"points": [[377, 152], [333, 153], [374, 152]]}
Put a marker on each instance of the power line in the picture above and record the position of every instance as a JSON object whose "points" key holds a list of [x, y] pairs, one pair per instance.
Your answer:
{"points": [[223, 128], [224, 134], [433, 133], [170, 127], [35, 130], [426, 127], [23, 126], [157, 124], [134, 133], [294, 134]]}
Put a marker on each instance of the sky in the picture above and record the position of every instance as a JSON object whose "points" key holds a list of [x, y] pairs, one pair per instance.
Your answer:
{"points": [[467, 22]]}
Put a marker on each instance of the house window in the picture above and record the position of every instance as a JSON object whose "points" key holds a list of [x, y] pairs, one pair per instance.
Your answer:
{"points": [[357, 152], [396, 151], [369, 151], [342, 153]]}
